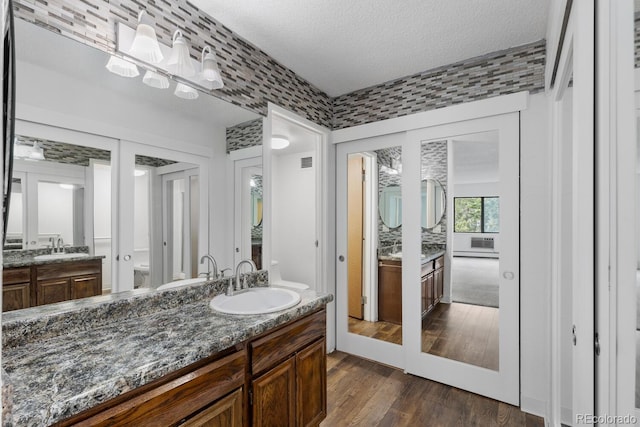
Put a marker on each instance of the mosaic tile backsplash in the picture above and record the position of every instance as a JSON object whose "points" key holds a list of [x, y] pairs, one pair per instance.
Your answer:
{"points": [[244, 135]]}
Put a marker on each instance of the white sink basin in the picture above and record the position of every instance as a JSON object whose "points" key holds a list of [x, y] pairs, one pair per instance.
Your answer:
{"points": [[183, 282], [50, 257], [256, 301]]}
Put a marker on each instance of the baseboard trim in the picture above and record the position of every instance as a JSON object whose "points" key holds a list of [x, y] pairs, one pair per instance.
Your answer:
{"points": [[534, 407]]}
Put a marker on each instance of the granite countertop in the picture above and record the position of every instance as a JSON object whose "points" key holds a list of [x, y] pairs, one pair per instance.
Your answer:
{"points": [[425, 258], [29, 261], [58, 376]]}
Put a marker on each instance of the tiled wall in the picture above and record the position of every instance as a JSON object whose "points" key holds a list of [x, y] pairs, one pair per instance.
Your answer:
{"points": [[244, 135], [433, 165], [61, 152], [636, 28], [499, 73], [251, 77]]}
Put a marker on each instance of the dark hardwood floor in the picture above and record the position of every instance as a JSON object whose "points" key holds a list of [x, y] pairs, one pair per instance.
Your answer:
{"points": [[365, 393], [385, 331], [463, 332]]}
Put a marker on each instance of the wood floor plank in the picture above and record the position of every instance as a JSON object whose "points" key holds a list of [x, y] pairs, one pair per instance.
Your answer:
{"points": [[365, 393]]}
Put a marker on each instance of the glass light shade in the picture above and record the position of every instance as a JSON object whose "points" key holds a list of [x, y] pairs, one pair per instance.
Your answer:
{"points": [[185, 92], [37, 153], [153, 79], [179, 62], [278, 142], [210, 70], [121, 67], [145, 44], [139, 172]]}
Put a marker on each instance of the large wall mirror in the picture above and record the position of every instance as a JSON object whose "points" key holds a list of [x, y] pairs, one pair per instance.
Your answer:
{"points": [[68, 191]]}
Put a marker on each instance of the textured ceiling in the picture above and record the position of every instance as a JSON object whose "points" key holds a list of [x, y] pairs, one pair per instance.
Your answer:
{"points": [[344, 45]]}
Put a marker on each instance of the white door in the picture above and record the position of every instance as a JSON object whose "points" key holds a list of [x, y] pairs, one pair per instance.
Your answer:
{"points": [[470, 339], [248, 210], [377, 336]]}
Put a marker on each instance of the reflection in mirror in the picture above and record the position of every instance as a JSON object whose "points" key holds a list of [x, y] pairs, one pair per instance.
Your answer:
{"points": [[255, 182], [433, 203], [61, 205], [375, 281], [460, 320], [164, 243], [92, 100]]}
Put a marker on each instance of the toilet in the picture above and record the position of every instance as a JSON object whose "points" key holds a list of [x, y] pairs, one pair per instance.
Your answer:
{"points": [[141, 276], [276, 278]]}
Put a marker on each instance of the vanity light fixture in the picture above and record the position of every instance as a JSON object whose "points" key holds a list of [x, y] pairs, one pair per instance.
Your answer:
{"points": [[157, 80], [37, 153], [28, 152], [278, 142], [67, 186], [179, 62], [122, 67], [185, 92], [145, 44], [210, 70]]}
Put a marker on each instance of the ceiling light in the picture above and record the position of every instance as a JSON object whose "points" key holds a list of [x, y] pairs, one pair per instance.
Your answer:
{"points": [[185, 92], [179, 62], [67, 186], [145, 44], [37, 153], [210, 70], [121, 67], [139, 172], [157, 80], [278, 142]]}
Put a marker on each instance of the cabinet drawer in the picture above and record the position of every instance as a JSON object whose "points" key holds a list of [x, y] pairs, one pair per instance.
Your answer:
{"points": [[270, 349], [427, 268], [13, 276], [439, 262], [173, 401], [68, 269]]}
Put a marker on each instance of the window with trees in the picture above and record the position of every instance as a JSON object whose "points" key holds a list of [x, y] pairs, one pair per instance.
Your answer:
{"points": [[476, 214]]}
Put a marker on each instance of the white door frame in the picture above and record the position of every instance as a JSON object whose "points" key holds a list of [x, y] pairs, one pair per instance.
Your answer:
{"points": [[242, 215], [576, 61], [616, 203], [504, 384]]}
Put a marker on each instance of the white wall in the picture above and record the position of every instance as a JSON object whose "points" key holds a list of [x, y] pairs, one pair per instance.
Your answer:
{"points": [[462, 241], [535, 263], [102, 219], [141, 238], [294, 217]]}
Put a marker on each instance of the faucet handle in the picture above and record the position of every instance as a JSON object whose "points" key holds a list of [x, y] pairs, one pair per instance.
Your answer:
{"points": [[221, 274]]}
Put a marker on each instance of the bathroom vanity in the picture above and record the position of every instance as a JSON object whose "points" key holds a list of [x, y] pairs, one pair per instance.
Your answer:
{"points": [[166, 358], [390, 285], [29, 282]]}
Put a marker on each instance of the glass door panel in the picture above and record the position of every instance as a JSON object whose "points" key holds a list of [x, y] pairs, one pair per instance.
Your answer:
{"points": [[370, 263], [462, 312]]}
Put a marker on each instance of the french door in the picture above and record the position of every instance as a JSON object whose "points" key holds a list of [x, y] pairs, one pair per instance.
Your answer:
{"points": [[393, 249]]}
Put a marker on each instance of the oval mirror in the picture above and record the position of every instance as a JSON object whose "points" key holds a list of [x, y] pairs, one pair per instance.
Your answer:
{"points": [[256, 208], [433, 203], [390, 206]]}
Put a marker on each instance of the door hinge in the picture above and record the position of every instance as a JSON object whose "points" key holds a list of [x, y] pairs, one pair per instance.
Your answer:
{"points": [[364, 176], [573, 333], [250, 397], [364, 299], [597, 345]]}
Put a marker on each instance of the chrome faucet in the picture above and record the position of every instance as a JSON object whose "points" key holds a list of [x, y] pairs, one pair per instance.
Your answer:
{"points": [[60, 245], [210, 273], [231, 287], [395, 245]]}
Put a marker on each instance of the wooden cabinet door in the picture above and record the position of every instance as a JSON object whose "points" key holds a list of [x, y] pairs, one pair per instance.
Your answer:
{"points": [[50, 291], [439, 283], [274, 396], [226, 412], [15, 297], [311, 385], [390, 292], [87, 286]]}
